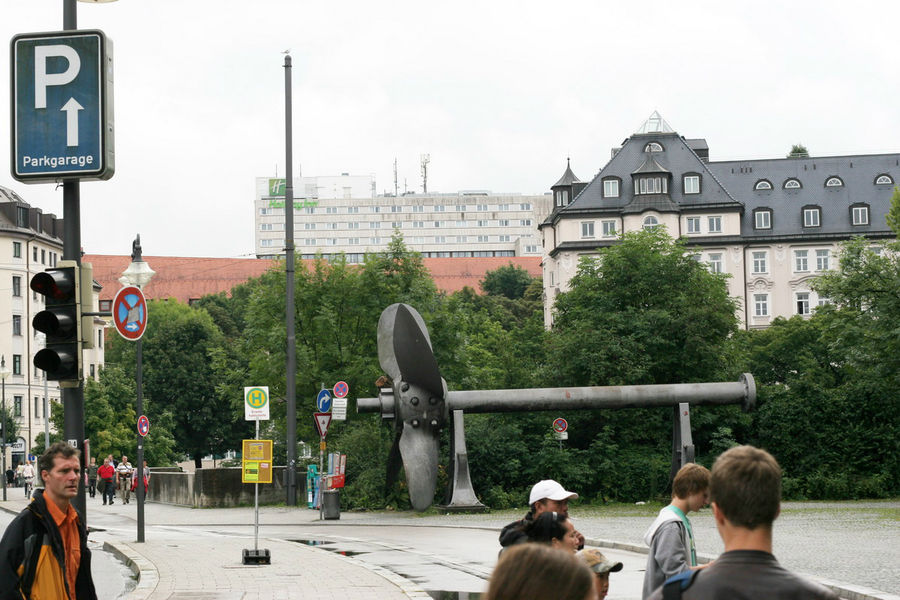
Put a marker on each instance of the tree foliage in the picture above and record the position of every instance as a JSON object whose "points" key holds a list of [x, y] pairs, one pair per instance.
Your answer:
{"points": [[510, 281], [798, 151]]}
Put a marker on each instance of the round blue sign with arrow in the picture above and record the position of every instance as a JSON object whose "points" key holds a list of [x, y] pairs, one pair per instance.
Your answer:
{"points": [[323, 401]]}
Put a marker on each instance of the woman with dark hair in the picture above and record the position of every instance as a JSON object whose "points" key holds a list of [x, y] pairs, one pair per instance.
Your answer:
{"points": [[538, 572], [554, 529]]}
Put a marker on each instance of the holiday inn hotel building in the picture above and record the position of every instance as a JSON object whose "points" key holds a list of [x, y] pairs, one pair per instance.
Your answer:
{"points": [[342, 214]]}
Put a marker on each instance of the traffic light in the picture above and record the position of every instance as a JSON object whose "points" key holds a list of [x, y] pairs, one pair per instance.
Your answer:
{"points": [[60, 321]]}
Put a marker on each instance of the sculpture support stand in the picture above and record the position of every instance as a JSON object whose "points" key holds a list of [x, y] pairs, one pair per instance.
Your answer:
{"points": [[460, 493]]}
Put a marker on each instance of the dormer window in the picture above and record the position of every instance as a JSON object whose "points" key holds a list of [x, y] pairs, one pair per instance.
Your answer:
{"points": [[653, 147], [792, 184], [692, 183], [611, 187], [834, 182], [763, 184], [884, 179], [562, 197], [653, 185]]}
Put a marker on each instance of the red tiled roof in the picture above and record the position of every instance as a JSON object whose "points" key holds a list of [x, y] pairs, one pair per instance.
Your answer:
{"points": [[187, 278]]}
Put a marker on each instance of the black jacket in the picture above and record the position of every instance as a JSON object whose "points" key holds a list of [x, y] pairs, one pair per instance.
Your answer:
{"points": [[33, 547]]}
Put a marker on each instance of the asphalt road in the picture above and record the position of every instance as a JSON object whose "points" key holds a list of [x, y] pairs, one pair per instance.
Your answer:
{"points": [[850, 543]]}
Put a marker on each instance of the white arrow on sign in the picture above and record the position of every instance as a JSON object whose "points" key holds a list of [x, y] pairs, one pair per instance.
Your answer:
{"points": [[71, 109]]}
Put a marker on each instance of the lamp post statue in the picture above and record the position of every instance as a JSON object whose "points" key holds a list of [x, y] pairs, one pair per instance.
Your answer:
{"points": [[139, 274], [4, 373]]}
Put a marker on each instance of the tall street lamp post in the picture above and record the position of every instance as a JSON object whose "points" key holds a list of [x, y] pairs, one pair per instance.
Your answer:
{"points": [[4, 373], [139, 274]]}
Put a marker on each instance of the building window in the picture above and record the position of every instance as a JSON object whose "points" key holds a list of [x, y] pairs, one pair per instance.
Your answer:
{"points": [[761, 305], [265, 226], [418, 224], [482, 238], [21, 216], [460, 208], [715, 224], [715, 262], [762, 219], [34, 251], [562, 198], [693, 224], [653, 185], [482, 223], [352, 210], [653, 147], [353, 225], [17, 364], [691, 184], [396, 209], [812, 217], [760, 262], [16, 285], [609, 228], [884, 179], [525, 206], [801, 261], [860, 214], [505, 238], [17, 249], [610, 188], [106, 305], [650, 222], [587, 229], [525, 222], [375, 240], [461, 239], [37, 407], [17, 406], [834, 182], [440, 239], [100, 339], [822, 260], [792, 184], [802, 303], [17, 324], [763, 184], [504, 223]]}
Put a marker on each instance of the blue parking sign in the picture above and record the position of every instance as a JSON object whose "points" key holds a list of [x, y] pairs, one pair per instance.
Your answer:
{"points": [[62, 123]]}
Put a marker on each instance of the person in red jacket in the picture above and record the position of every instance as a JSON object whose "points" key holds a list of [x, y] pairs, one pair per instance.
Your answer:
{"points": [[107, 475]]}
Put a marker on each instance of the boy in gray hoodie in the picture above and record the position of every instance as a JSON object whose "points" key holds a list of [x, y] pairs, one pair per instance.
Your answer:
{"points": [[670, 537]]}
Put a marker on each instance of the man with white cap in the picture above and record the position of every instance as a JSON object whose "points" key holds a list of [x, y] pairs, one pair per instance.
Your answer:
{"points": [[546, 495], [602, 567]]}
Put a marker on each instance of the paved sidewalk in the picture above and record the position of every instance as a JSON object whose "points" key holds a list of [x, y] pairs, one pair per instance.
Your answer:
{"points": [[176, 565]]}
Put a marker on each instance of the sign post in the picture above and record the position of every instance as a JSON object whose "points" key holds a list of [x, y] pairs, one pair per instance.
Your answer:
{"points": [[256, 458]]}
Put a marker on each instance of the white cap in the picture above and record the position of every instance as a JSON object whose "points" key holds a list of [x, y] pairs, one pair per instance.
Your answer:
{"points": [[550, 490]]}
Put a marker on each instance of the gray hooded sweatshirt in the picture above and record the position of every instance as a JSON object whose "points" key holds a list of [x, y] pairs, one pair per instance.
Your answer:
{"points": [[670, 550]]}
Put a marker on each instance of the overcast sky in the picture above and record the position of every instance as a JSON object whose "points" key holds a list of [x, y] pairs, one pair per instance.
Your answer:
{"points": [[497, 92]]}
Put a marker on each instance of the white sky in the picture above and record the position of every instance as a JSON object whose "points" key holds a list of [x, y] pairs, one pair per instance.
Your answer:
{"points": [[498, 92]]}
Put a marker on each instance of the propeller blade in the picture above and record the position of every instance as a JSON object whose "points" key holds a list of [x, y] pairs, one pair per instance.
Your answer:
{"points": [[412, 349], [419, 447]]}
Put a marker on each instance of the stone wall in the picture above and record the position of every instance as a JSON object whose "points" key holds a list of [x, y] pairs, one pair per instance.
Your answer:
{"points": [[218, 488]]}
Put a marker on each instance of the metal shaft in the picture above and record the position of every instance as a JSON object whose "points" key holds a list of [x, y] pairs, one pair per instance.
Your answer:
{"points": [[625, 396]]}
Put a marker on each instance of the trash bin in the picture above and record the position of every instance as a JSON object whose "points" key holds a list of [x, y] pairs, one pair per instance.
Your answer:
{"points": [[331, 504]]}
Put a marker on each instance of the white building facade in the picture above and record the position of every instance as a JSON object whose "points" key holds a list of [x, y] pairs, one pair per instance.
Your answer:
{"points": [[465, 224], [30, 242], [772, 225]]}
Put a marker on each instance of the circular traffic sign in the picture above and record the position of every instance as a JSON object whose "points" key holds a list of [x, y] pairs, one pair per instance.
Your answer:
{"points": [[323, 401], [129, 311], [341, 389], [560, 425], [143, 425]]}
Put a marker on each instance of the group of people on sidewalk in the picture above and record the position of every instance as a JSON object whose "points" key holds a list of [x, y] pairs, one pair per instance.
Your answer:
{"points": [[21, 476], [744, 490], [114, 476]]}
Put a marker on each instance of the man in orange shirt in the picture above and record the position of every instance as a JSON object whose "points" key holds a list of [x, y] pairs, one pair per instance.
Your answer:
{"points": [[44, 553]]}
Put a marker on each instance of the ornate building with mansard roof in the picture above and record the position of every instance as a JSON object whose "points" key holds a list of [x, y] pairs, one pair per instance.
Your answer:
{"points": [[773, 225]]}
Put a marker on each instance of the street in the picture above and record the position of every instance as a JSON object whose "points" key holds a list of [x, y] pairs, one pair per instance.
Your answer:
{"points": [[447, 556]]}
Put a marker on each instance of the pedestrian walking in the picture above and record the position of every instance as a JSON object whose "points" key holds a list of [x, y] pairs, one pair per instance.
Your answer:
{"points": [[545, 496], [107, 476], [28, 477], [92, 477], [123, 478]]}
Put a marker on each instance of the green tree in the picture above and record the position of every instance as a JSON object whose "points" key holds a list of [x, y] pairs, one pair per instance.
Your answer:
{"points": [[643, 312], [179, 378], [510, 281], [893, 215]]}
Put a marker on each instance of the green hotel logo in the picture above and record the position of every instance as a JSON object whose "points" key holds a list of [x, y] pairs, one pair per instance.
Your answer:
{"points": [[277, 187]]}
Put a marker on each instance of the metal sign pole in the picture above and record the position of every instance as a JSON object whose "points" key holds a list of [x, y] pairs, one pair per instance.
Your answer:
{"points": [[321, 481], [256, 503]]}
